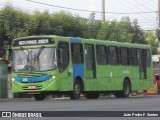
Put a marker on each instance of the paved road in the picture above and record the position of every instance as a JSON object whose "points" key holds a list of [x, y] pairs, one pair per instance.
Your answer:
{"points": [[141, 103]]}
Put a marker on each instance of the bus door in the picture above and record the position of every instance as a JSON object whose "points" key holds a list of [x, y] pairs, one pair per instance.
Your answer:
{"points": [[142, 64], [90, 61], [63, 63]]}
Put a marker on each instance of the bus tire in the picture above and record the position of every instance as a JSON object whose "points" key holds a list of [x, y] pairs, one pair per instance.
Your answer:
{"points": [[126, 90], [39, 97], [76, 90], [92, 95]]}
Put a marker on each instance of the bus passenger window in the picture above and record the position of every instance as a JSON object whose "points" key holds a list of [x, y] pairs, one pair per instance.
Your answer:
{"points": [[124, 58], [63, 56], [113, 56], [134, 58], [101, 54]]}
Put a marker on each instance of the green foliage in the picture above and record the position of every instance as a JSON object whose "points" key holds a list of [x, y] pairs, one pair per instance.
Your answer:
{"points": [[138, 34], [66, 24], [93, 27], [17, 23], [12, 24], [151, 39], [123, 31]]}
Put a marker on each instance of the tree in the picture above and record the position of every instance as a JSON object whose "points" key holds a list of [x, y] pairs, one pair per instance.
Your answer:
{"points": [[116, 31], [138, 34], [93, 26], [66, 24], [152, 40], [125, 30], [12, 24], [39, 23], [17, 23]]}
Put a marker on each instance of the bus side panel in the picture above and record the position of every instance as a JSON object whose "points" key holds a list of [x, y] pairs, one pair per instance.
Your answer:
{"points": [[78, 70], [134, 78], [149, 82], [103, 78]]}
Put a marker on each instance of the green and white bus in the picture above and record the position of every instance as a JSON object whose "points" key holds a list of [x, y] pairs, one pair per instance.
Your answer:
{"points": [[44, 65]]}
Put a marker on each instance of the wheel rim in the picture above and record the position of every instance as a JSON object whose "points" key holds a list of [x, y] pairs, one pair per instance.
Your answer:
{"points": [[127, 89], [77, 89]]}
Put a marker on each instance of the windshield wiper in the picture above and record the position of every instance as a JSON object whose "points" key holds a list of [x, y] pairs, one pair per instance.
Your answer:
{"points": [[39, 52]]}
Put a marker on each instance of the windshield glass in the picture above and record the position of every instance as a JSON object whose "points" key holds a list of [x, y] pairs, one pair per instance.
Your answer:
{"points": [[40, 59]]}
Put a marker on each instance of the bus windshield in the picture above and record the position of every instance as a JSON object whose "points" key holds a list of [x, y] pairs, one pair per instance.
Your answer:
{"points": [[39, 59]]}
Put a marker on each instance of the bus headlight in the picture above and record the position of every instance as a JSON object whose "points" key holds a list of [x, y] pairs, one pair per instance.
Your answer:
{"points": [[53, 76], [13, 79]]}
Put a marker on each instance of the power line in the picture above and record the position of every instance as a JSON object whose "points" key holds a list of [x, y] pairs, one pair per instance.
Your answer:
{"points": [[146, 3], [150, 29], [88, 10], [29, 6], [148, 22], [130, 8], [133, 9], [139, 5]]}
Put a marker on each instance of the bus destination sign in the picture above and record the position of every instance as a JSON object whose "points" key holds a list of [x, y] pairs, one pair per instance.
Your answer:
{"points": [[37, 41]]}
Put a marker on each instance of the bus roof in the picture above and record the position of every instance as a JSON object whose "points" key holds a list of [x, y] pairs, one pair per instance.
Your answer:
{"points": [[115, 43], [89, 41]]}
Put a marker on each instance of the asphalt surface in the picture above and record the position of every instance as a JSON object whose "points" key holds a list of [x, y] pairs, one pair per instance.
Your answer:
{"points": [[138, 103]]}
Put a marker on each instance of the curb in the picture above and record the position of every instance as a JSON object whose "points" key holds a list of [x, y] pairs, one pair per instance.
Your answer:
{"points": [[15, 99]]}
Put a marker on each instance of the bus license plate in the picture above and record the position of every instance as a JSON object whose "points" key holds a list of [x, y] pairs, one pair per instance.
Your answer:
{"points": [[31, 87]]}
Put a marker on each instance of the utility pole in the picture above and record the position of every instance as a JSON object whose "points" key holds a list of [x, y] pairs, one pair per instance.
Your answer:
{"points": [[158, 30], [103, 11], [159, 14]]}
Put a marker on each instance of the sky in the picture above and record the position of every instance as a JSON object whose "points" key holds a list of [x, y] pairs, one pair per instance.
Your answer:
{"points": [[145, 11]]}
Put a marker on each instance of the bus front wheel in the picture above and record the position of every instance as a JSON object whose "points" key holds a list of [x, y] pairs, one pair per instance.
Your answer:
{"points": [[76, 91], [39, 97]]}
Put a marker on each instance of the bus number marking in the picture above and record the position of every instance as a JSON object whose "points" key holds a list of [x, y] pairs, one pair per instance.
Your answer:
{"points": [[24, 79], [111, 74], [126, 72]]}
